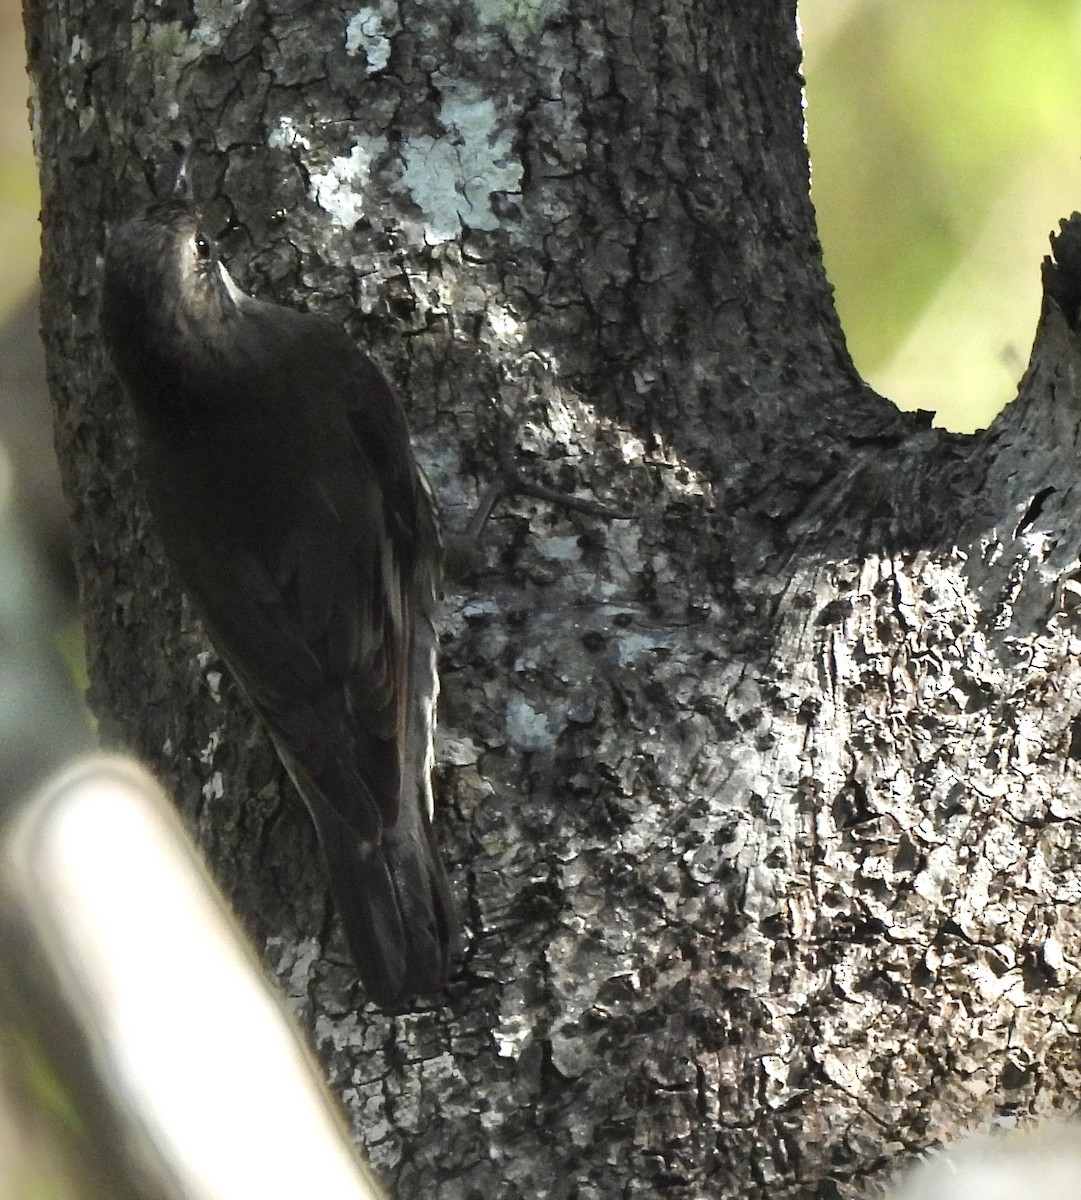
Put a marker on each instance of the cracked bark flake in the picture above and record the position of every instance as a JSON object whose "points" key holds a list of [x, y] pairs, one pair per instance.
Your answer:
{"points": [[762, 806]]}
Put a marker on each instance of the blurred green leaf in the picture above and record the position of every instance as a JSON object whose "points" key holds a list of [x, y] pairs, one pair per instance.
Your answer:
{"points": [[934, 124]]}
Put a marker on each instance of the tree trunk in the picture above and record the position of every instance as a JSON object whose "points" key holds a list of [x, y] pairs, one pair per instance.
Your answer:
{"points": [[761, 806]]}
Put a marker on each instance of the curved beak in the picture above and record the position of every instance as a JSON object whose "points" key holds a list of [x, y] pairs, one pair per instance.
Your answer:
{"points": [[182, 183]]}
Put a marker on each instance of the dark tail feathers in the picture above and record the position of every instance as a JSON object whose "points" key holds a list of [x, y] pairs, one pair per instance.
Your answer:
{"points": [[395, 904]]}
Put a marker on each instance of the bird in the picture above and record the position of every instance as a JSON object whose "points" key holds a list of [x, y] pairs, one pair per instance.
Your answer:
{"points": [[281, 478]]}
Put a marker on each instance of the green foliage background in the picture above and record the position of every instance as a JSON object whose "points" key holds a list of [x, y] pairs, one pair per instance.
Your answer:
{"points": [[19, 237], [945, 138]]}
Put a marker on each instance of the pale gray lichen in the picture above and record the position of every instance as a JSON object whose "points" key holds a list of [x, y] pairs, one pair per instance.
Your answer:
{"points": [[33, 105], [215, 20], [528, 729], [340, 191], [296, 960], [633, 646], [453, 748], [452, 178], [367, 31], [287, 135], [561, 549], [516, 16]]}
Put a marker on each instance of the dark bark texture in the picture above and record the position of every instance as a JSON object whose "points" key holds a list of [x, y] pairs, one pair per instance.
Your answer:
{"points": [[762, 807]]}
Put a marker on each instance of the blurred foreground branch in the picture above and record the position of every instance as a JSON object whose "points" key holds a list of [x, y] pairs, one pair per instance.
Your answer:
{"points": [[143, 1053]]}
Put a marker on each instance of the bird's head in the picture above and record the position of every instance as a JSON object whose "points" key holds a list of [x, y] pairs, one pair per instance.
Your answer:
{"points": [[165, 289]]}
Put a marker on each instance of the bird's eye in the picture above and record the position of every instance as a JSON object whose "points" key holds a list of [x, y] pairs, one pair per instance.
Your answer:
{"points": [[202, 246]]}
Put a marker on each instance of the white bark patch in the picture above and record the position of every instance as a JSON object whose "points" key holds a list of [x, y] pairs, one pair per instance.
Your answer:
{"points": [[294, 970], [340, 191], [367, 32], [452, 178], [206, 755], [513, 1033], [337, 1031], [503, 325], [287, 135]]}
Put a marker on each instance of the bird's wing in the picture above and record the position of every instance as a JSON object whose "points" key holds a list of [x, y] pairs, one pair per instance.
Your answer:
{"points": [[322, 646]]}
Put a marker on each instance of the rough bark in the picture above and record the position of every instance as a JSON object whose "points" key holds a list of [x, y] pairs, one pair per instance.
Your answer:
{"points": [[762, 807]]}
